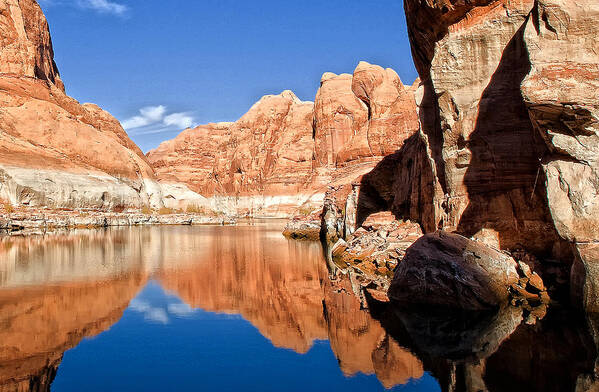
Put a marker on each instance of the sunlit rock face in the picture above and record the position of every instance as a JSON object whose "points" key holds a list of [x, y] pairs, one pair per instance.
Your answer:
{"points": [[39, 324], [508, 109], [27, 46], [284, 152], [472, 60], [54, 151], [562, 96]]}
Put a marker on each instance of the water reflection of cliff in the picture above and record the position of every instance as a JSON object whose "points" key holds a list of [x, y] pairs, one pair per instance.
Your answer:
{"points": [[55, 291], [37, 325], [58, 289], [282, 288], [275, 284]]}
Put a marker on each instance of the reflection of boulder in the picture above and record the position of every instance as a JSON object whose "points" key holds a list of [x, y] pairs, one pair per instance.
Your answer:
{"points": [[494, 350], [460, 336], [40, 324], [550, 356], [273, 284]]}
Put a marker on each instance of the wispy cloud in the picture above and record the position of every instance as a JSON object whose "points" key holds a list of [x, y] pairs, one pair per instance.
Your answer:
{"points": [[154, 119], [99, 6], [180, 120], [147, 116], [104, 6]]}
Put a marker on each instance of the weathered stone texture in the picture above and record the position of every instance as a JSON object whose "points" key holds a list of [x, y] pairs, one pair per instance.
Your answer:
{"points": [[53, 151], [290, 150]]}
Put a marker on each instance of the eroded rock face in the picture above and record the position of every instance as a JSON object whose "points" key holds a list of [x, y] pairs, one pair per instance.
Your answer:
{"points": [[339, 115], [284, 152], [392, 110], [261, 164], [53, 151], [26, 43], [508, 109]]}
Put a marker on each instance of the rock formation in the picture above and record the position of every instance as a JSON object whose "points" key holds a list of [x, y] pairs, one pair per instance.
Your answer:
{"points": [[53, 151], [284, 152], [376, 248], [507, 152], [446, 269]]}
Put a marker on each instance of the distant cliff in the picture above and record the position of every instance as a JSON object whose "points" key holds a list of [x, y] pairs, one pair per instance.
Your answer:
{"points": [[284, 152]]}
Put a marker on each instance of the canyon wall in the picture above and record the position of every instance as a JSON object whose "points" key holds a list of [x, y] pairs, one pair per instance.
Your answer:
{"points": [[54, 151], [507, 152], [284, 152]]}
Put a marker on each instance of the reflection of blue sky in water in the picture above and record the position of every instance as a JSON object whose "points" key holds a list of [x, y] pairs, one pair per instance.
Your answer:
{"points": [[162, 344], [155, 310]]}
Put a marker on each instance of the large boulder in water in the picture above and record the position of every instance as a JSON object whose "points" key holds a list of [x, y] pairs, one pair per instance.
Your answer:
{"points": [[446, 269]]}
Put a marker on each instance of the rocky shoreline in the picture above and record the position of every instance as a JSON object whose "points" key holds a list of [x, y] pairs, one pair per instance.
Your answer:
{"points": [[42, 222]]}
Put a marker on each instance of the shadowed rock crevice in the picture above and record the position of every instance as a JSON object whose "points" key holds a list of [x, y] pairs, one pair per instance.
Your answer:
{"points": [[504, 180], [402, 183]]}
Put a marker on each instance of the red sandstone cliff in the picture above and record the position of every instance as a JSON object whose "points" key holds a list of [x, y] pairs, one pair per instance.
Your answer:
{"points": [[283, 151], [54, 151], [509, 115]]}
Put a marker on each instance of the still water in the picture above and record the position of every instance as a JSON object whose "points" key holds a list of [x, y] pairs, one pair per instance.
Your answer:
{"points": [[243, 308]]}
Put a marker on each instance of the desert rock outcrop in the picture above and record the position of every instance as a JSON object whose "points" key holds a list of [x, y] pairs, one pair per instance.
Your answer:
{"points": [[284, 152], [508, 112], [53, 151]]}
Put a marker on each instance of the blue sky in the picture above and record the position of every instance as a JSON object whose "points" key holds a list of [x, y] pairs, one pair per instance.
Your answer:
{"points": [[159, 66]]}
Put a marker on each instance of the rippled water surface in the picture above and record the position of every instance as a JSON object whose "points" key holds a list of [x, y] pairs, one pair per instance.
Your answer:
{"points": [[243, 308]]}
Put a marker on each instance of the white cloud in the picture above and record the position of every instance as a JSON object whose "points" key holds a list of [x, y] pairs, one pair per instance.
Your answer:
{"points": [[138, 305], [150, 313], [153, 116], [148, 116], [100, 6], [180, 120], [104, 6]]}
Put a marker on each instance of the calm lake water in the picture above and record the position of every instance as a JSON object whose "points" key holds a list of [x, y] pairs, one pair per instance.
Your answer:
{"points": [[244, 309]]}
